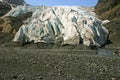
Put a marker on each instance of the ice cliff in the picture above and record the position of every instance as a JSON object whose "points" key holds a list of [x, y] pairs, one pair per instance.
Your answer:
{"points": [[69, 25]]}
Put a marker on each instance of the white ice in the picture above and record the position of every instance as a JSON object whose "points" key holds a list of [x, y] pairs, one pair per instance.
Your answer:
{"points": [[70, 25]]}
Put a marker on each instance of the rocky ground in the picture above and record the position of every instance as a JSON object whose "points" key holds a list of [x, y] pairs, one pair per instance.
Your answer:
{"points": [[57, 64]]}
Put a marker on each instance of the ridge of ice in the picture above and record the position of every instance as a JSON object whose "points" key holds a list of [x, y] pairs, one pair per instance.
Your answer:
{"points": [[70, 25]]}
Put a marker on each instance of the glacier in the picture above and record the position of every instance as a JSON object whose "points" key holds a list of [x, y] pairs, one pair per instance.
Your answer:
{"points": [[65, 24]]}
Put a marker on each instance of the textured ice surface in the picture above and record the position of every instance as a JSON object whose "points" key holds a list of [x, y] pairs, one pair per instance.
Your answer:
{"points": [[69, 25]]}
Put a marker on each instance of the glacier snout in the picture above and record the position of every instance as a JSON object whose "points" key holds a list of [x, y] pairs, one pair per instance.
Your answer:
{"points": [[70, 25]]}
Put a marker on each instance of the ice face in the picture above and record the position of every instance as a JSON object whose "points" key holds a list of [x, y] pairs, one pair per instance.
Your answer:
{"points": [[1, 0], [67, 24]]}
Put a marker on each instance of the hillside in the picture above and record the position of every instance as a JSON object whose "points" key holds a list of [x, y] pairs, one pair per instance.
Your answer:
{"points": [[16, 2], [4, 8], [5, 5], [108, 9]]}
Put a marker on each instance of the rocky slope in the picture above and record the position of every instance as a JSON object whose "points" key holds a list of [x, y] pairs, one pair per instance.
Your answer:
{"points": [[110, 9], [12, 24], [15, 2], [5, 5], [4, 8]]}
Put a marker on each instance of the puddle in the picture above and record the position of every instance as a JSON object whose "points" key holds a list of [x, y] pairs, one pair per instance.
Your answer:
{"points": [[105, 52]]}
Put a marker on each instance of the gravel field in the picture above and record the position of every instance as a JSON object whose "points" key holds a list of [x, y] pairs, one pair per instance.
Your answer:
{"points": [[57, 64]]}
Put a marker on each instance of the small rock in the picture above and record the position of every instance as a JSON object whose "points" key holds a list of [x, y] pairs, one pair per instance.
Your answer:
{"points": [[23, 78], [113, 79], [34, 62], [116, 53], [15, 76], [1, 78], [40, 77], [59, 74]]}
